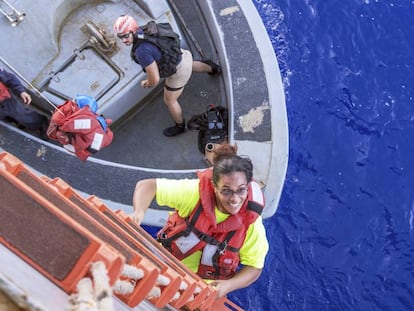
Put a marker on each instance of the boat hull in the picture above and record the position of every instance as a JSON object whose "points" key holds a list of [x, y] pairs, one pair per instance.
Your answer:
{"points": [[250, 86]]}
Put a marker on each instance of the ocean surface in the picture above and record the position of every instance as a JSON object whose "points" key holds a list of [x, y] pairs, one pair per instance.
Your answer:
{"points": [[342, 237]]}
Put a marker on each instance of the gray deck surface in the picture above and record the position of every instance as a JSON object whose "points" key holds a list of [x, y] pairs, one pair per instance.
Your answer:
{"points": [[140, 141], [139, 149]]}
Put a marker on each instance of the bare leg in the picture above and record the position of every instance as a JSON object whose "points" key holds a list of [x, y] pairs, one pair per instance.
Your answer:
{"points": [[201, 67], [206, 65], [174, 107]]}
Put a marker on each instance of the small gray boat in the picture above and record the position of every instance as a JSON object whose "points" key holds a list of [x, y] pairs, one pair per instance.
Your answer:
{"points": [[63, 48]]}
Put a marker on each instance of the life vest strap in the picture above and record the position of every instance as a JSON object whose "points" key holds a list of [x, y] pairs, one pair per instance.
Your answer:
{"points": [[165, 240]]}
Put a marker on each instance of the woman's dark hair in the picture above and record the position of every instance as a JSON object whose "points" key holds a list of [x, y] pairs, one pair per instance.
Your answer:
{"points": [[230, 163]]}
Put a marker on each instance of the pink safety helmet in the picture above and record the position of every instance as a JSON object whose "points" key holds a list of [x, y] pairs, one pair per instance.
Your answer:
{"points": [[125, 24]]}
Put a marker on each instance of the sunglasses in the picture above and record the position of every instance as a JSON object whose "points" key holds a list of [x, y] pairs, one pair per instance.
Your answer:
{"points": [[123, 36], [229, 193]]}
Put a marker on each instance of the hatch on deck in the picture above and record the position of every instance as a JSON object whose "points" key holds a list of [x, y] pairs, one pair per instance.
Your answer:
{"points": [[97, 73]]}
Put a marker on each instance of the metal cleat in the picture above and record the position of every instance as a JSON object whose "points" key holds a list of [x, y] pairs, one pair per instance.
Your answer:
{"points": [[15, 17], [12, 20]]}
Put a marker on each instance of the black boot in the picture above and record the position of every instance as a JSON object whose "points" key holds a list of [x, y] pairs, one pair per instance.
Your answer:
{"points": [[215, 68], [175, 130]]}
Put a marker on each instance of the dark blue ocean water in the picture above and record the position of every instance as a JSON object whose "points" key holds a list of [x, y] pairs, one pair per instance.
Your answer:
{"points": [[343, 238]]}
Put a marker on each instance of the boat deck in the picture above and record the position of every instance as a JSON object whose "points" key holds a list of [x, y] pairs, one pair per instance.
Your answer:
{"points": [[250, 86], [139, 140]]}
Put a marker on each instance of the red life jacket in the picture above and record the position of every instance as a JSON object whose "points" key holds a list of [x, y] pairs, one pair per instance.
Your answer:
{"points": [[220, 243], [4, 92], [79, 129]]}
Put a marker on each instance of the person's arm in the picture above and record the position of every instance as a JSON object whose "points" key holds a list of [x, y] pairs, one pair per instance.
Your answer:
{"points": [[243, 278], [153, 75], [144, 193], [13, 83]]}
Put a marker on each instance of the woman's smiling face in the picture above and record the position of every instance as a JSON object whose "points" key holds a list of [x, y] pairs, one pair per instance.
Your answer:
{"points": [[231, 192]]}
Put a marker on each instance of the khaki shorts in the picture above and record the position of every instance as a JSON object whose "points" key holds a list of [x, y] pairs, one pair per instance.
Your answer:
{"points": [[184, 69]]}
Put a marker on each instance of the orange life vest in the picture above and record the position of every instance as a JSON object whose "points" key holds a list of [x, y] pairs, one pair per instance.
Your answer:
{"points": [[79, 130], [220, 243], [4, 92]]}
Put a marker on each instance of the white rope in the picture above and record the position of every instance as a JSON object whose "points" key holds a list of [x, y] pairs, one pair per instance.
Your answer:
{"points": [[93, 295], [176, 296], [154, 293], [183, 285], [102, 289], [196, 292], [132, 272], [163, 280], [96, 295], [84, 300], [123, 287]]}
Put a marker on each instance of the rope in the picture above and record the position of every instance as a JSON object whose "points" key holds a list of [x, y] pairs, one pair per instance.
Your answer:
{"points": [[163, 280], [183, 287], [154, 293], [132, 272], [84, 300], [125, 287], [93, 296], [196, 292], [102, 289]]}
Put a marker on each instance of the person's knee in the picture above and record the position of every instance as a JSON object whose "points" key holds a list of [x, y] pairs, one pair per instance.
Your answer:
{"points": [[170, 99]]}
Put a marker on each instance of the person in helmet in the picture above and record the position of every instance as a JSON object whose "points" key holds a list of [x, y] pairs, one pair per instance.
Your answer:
{"points": [[151, 59]]}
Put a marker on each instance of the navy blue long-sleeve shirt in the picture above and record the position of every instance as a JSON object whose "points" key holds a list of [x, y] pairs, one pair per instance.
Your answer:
{"points": [[11, 81]]}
